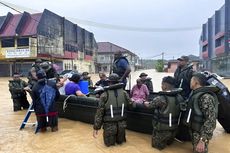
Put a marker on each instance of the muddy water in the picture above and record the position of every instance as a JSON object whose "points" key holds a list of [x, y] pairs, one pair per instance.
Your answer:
{"points": [[74, 136]]}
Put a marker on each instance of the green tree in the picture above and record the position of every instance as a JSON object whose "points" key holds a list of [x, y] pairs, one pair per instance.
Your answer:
{"points": [[159, 66]]}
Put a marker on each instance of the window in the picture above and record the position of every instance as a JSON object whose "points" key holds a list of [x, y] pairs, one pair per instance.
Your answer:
{"points": [[22, 42], [217, 21], [102, 58], [205, 48], [107, 57], [105, 68], [219, 42], [66, 67], [7, 43], [74, 67]]}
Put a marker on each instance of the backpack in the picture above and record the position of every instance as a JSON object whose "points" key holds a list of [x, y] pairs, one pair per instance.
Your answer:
{"points": [[224, 100]]}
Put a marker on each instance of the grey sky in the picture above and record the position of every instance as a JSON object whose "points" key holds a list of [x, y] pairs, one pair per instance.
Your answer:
{"points": [[143, 14]]}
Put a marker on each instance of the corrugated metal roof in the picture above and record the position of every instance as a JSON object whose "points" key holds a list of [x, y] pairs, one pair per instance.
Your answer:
{"points": [[11, 26], [109, 47], [2, 18], [30, 27]]}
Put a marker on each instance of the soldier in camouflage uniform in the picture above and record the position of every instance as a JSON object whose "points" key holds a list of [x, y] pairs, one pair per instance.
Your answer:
{"points": [[18, 89], [201, 113], [166, 114], [111, 113]]}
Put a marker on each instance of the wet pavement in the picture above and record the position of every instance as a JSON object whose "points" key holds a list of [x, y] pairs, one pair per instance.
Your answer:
{"points": [[74, 136]]}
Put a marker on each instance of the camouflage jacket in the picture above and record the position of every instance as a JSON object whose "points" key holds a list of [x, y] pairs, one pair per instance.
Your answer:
{"points": [[98, 121], [207, 107], [16, 88], [158, 102]]}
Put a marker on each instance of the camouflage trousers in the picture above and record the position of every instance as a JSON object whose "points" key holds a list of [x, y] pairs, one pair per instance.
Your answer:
{"points": [[195, 139], [160, 139], [114, 132]]}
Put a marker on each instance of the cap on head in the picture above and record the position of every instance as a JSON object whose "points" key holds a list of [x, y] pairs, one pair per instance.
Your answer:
{"points": [[114, 77], [183, 58], [143, 74], [41, 74]]}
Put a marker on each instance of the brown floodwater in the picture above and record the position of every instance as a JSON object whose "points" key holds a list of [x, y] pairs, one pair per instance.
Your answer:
{"points": [[74, 136]]}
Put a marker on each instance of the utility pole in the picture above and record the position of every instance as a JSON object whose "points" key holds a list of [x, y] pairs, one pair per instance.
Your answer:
{"points": [[163, 60], [162, 54], [111, 60]]}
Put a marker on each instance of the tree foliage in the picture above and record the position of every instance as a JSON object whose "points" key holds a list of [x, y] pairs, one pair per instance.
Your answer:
{"points": [[159, 66]]}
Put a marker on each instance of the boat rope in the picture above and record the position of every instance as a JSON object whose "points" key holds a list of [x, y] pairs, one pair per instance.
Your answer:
{"points": [[65, 102]]}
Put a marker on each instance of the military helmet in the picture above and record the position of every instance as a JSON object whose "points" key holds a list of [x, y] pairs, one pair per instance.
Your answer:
{"points": [[45, 65], [38, 60], [114, 77]]}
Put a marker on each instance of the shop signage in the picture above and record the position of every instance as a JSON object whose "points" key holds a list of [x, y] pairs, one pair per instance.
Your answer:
{"points": [[17, 53]]}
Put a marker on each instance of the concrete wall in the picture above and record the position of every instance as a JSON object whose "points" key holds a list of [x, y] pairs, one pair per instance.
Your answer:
{"points": [[50, 34], [79, 65]]}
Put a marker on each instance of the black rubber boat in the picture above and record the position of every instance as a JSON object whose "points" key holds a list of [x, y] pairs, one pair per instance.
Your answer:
{"points": [[84, 108], [139, 118]]}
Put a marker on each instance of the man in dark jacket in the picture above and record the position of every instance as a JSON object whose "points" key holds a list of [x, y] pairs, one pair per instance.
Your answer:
{"points": [[183, 75], [121, 67], [45, 95], [18, 89]]}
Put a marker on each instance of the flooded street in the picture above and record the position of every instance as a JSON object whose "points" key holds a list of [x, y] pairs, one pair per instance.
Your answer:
{"points": [[74, 136]]}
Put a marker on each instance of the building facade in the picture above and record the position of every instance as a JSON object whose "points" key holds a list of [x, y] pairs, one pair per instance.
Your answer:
{"points": [[215, 41], [105, 56], [26, 37]]}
